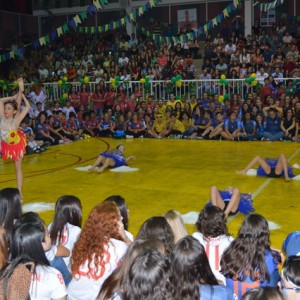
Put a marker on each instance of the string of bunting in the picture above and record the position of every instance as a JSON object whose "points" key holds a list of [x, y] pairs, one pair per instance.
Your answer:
{"points": [[72, 23], [138, 12], [227, 12], [268, 6]]}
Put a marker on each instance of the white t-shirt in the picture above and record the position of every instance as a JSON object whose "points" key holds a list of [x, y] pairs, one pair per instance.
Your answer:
{"points": [[67, 111], [87, 286], [70, 236], [41, 97], [47, 284], [214, 248]]}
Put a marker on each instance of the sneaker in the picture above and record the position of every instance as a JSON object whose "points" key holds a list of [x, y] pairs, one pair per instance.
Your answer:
{"points": [[141, 137], [37, 151], [129, 136], [47, 144], [60, 141], [42, 149], [199, 137], [67, 141]]}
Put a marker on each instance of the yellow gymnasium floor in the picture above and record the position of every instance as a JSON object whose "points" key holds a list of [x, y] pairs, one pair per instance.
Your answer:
{"points": [[173, 174]]}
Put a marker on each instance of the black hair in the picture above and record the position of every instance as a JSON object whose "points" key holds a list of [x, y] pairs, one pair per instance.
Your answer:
{"points": [[263, 293], [68, 209], [13, 103], [158, 228], [146, 277], [245, 256], [212, 222], [10, 208], [189, 267], [121, 204], [116, 280], [291, 270]]}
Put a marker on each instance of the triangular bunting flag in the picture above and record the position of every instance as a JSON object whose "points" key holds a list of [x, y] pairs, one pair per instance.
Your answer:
{"points": [[59, 31], [77, 20], [42, 41], [97, 4]]}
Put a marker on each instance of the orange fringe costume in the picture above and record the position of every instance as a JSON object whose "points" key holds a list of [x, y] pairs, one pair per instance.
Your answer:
{"points": [[13, 144]]}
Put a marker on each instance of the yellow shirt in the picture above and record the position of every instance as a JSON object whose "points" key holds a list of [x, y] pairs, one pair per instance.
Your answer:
{"points": [[159, 127], [173, 103], [162, 110], [177, 125]]}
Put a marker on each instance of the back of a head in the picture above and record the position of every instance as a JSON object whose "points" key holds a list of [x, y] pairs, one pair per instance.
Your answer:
{"points": [[267, 293], [211, 222], [121, 204], [174, 219], [116, 279], [26, 243], [31, 218], [69, 208], [10, 207], [102, 224], [255, 229], [158, 228], [188, 262], [3, 247], [146, 278], [290, 273]]}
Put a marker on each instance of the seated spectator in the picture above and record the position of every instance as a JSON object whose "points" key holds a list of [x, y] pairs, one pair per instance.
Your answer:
{"points": [[98, 251], [190, 273], [247, 265], [222, 66], [290, 274], [212, 233], [272, 124], [287, 38]]}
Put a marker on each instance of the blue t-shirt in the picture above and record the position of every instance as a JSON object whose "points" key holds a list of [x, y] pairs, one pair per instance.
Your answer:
{"points": [[241, 287], [215, 292], [249, 126]]}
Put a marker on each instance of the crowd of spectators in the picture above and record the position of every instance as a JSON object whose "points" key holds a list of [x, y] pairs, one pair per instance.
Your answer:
{"points": [[268, 110], [102, 260]]}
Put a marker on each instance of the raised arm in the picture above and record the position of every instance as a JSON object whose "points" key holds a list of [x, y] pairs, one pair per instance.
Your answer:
{"points": [[24, 112]]}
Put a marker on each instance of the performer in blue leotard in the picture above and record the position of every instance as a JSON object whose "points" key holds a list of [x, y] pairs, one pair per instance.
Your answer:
{"points": [[231, 201], [274, 168], [113, 159]]}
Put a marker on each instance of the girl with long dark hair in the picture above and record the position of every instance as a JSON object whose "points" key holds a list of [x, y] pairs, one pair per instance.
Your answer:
{"points": [[190, 276], [66, 226], [249, 262]]}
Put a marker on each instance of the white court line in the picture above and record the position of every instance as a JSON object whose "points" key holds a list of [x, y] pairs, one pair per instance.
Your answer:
{"points": [[263, 185]]}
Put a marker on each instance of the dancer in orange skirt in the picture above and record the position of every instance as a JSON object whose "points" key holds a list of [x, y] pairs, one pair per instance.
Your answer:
{"points": [[13, 141]]}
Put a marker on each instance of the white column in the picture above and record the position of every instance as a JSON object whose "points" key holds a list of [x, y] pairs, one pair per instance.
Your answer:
{"points": [[248, 16], [129, 27]]}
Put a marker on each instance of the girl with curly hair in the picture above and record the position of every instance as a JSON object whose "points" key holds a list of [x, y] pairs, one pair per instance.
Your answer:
{"points": [[212, 233], [249, 262], [190, 276], [98, 251]]}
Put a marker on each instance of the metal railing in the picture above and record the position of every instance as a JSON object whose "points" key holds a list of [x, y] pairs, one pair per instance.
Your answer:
{"points": [[162, 89]]}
